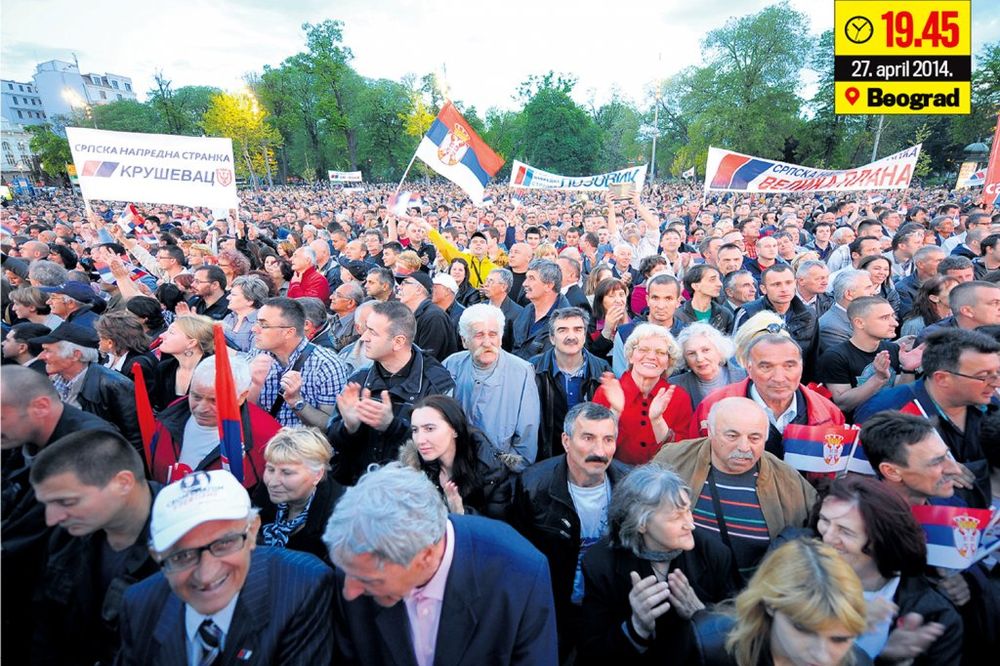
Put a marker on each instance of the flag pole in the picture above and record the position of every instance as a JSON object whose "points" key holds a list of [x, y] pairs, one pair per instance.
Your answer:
{"points": [[412, 159]]}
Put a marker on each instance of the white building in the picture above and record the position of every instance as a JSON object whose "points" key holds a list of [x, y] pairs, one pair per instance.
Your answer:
{"points": [[62, 87], [20, 103], [16, 158]]}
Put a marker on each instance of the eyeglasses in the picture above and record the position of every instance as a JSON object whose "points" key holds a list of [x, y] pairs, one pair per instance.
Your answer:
{"points": [[990, 378], [187, 559]]}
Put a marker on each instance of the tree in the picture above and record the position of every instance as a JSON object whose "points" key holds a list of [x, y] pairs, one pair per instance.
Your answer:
{"points": [[51, 149], [180, 110], [239, 117], [328, 62], [556, 133], [127, 115]]}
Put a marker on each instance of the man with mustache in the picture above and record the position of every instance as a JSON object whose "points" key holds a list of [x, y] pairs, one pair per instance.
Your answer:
{"points": [[561, 506], [496, 388], [742, 495]]}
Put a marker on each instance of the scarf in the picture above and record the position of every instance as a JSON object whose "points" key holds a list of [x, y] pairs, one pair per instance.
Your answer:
{"points": [[277, 533]]}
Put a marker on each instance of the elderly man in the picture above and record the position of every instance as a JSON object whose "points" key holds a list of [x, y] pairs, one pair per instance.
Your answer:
{"points": [[307, 281], [445, 289], [774, 369], [373, 411], [436, 335], [739, 486], [72, 360], [812, 278], [542, 284], [73, 302], [417, 586], [961, 374], [973, 304], [219, 596], [210, 293], [93, 487], [325, 263], [925, 265], [561, 504], [570, 268], [497, 289], [835, 325], [739, 289], [317, 321], [566, 376], [187, 432], [353, 355], [296, 381], [496, 388], [344, 302]]}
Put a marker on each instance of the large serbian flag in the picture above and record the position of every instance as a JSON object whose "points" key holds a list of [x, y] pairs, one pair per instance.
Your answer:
{"points": [[453, 149], [228, 409], [819, 448], [954, 534]]}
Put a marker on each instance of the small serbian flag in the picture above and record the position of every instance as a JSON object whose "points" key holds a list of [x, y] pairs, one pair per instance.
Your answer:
{"points": [[402, 202], [227, 408], [818, 448], [453, 149], [144, 414], [130, 219], [954, 534], [6, 230], [105, 272], [858, 463]]}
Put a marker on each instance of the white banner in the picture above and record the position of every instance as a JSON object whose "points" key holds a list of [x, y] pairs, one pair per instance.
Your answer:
{"points": [[154, 168], [344, 176], [528, 177], [729, 171]]}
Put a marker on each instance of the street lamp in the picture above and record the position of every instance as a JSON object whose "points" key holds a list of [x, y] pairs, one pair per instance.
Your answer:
{"points": [[73, 98]]}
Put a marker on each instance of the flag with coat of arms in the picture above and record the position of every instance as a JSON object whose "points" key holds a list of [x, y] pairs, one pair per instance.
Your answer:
{"points": [[453, 149], [690, 173], [954, 534]]}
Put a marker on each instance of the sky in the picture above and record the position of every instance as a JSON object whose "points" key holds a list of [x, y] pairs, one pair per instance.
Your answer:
{"points": [[486, 49]]}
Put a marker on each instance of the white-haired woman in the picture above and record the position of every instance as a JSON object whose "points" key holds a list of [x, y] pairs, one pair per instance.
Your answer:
{"points": [[645, 581], [707, 353], [247, 295], [650, 410], [298, 495]]}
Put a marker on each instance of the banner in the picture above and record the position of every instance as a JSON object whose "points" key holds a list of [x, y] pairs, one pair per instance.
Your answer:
{"points": [[154, 168], [991, 188], [453, 149], [344, 176], [734, 172], [528, 177], [968, 176]]}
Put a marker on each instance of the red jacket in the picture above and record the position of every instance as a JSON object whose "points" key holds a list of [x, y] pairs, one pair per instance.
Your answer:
{"points": [[169, 435], [312, 284], [636, 442], [819, 410]]}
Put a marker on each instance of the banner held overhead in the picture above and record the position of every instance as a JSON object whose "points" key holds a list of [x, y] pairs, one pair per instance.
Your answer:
{"points": [[529, 177], [154, 168]]}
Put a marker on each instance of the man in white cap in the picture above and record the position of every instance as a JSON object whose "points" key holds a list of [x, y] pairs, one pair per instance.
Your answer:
{"points": [[213, 603], [445, 291]]}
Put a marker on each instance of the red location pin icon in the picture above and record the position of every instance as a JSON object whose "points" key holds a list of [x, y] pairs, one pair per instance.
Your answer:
{"points": [[852, 95]]}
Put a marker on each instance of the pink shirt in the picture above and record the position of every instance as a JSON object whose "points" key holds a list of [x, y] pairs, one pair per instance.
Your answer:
{"points": [[423, 605]]}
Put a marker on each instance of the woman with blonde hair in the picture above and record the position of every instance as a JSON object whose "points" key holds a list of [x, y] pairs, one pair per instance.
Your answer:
{"points": [[650, 410], [407, 262], [804, 605], [297, 495], [182, 347]]}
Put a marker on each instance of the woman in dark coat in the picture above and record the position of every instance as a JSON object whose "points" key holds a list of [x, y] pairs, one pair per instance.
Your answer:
{"points": [[297, 496], [651, 547], [467, 295]]}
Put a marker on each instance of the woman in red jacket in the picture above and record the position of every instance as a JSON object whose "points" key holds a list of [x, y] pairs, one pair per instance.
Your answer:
{"points": [[650, 410]]}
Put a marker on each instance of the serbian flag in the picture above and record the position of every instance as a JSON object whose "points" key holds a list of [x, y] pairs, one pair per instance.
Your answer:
{"points": [[954, 534], [230, 425], [144, 412], [690, 173], [858, 462], [402, 202], [130, 219], [105, 272], [818, 448], [453, 149]]}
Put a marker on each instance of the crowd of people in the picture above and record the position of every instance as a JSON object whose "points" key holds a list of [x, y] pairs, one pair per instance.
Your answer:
{"points": [[547, 431]]}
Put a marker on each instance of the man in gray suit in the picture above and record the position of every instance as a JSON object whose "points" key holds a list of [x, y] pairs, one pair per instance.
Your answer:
{"points": [[834, 325]]}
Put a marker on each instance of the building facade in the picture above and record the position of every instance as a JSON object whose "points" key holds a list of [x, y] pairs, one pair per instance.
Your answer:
{"points": [[62, 88], [21, 104], [16, 158]]}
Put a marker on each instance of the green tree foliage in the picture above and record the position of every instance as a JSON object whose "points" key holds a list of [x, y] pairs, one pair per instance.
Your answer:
{"points": [[179, 111], [51, 149], [127, 116], [240, 118]]}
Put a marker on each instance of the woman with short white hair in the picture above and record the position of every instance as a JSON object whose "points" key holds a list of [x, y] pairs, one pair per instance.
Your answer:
{"points": [[297, 496], [707, 353], [650, 410]]}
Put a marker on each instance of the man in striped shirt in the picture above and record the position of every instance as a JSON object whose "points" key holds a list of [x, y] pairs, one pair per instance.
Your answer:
{"points": [[744, 496]]}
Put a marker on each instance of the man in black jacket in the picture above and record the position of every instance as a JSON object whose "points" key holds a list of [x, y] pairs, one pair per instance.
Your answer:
{"points": [[32, 416], [566, 375], [435, 334], [70, 355], [561, 506], [94, 490], [373, 412]]}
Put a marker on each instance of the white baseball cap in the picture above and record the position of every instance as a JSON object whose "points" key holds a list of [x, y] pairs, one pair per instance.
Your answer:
{"points": [[447, 281], [197, 498]]}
